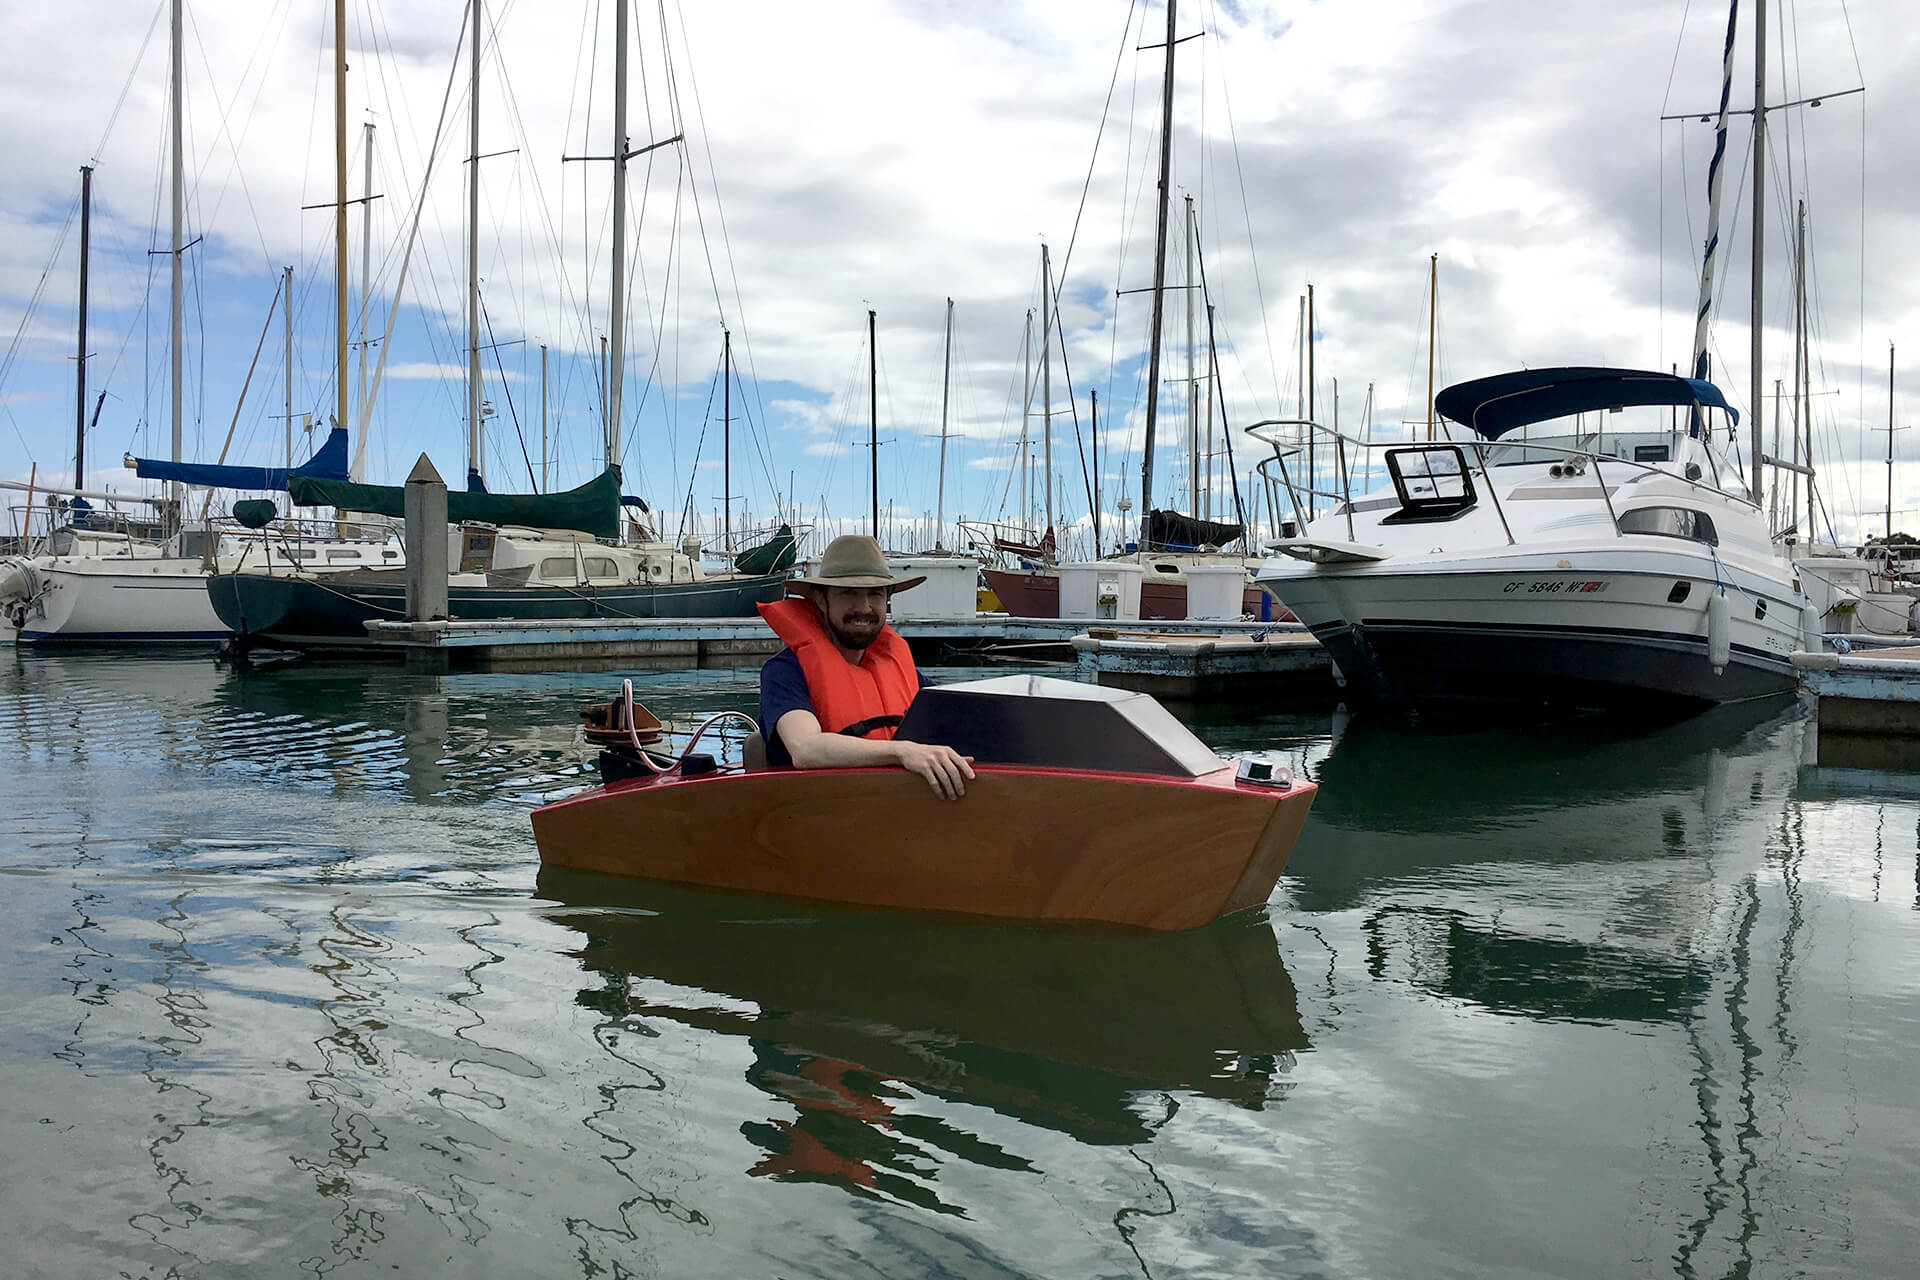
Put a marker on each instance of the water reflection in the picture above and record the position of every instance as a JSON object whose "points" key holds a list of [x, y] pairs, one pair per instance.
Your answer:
{"points": [[852, 1018], [1456, 957], [1397, 803]]}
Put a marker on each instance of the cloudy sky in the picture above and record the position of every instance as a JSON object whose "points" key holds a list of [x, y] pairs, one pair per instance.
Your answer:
{"points": [[888, 156]]}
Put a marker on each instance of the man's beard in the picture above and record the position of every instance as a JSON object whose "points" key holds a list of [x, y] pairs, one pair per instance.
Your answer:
{"points": [[851, 639]]}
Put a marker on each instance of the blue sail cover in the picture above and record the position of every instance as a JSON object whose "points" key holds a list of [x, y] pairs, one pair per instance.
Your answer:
{"points": [[329, 462], [1491, 407]]}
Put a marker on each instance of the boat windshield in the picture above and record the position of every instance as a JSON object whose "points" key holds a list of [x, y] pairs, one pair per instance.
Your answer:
{"points": [[1651, 435]]}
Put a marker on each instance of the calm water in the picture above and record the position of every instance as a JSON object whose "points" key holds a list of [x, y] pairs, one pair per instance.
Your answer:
{"points": [[283, 992]]}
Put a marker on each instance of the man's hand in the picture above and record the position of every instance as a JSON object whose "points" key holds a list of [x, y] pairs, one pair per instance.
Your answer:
{"points": [[945, 769]]}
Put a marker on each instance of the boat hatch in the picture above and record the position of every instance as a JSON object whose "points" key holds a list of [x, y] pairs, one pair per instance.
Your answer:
{"points": [[1038, 720], [1432, 483]]}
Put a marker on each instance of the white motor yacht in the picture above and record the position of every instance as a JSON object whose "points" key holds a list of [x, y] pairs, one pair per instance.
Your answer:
{"points": [[1613, 558]]}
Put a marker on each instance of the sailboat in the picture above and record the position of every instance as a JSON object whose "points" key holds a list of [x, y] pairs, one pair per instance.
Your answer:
{"points": [[100, 581], [513, 556], [1170, 542]]}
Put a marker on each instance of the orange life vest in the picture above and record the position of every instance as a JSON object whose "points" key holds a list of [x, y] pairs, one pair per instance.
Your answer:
{"points": [[864, 701]]}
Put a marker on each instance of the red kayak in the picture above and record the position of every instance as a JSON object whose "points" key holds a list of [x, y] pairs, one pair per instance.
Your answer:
{"points": [[1089, 805]]}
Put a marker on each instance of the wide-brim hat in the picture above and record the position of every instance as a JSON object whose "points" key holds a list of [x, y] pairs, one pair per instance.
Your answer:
{"points": [[852, 560]]}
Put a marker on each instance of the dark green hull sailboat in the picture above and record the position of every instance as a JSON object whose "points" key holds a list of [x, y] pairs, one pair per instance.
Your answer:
{"points": [[331, 611], [510, 571]]}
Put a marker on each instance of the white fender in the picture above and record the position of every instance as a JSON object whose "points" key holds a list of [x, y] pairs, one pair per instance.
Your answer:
{"points": [[1719, 631], [1812, 639]]}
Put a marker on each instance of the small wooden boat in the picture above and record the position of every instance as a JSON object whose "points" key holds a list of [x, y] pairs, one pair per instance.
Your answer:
{"points": [[1089, 804]]}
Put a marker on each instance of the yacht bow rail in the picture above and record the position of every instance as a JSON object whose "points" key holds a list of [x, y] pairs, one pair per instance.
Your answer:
{"points": [[1580, 458]]}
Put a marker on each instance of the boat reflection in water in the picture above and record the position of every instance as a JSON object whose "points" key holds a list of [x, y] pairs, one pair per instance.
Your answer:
{"points": [[850, 1015], [1635, 796]]}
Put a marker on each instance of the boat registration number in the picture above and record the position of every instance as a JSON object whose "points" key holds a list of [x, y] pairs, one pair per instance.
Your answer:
{"points": [[1569, 586]]}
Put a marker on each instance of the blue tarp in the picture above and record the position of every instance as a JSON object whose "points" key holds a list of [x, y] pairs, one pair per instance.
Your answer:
{"points": [[329, 462], [1491, 407]]}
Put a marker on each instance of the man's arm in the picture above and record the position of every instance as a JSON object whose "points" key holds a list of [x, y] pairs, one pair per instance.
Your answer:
{"points": [[811, 747]]}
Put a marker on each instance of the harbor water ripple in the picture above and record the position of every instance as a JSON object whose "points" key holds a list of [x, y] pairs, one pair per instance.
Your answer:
{"points": [[285, 992]]}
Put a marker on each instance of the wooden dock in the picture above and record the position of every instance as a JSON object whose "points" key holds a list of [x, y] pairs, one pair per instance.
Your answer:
{"points": [[718, 642], [1269, 658], [1872, 692]]}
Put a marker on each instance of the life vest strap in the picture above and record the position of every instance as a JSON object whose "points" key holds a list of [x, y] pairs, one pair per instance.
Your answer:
{"points": [[861, 728]]}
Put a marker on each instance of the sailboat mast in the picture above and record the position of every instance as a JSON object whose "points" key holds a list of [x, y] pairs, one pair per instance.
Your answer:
{"points": [[1213, 380], [340, 212], [80, 357], [1759, 220], [1804, 391], [1026, 413], [1046, 375], [1799, 354], [476, 455], [726, 438], [1193, 439], [1312, 408], [946, 387], [616, 320], [1159, 281], [1093, 430], [366, 280], [873, 413], [287, 316], [543, 418], [1433, 317], [1715, 173], [179, 336]]}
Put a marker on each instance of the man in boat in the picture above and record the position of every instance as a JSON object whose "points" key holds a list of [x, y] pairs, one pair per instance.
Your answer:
{"points": [[834, 696]]}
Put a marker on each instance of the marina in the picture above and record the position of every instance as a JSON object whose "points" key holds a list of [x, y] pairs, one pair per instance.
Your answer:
{"points": [[814, 670]]}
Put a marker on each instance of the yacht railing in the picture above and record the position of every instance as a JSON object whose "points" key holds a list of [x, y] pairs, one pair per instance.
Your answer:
{"points": [[1304, 431], [991, 541], [1285, 448]]}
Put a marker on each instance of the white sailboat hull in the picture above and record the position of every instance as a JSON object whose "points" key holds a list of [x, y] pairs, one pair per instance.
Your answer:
{"points": [[122, 601], [145, 599]]}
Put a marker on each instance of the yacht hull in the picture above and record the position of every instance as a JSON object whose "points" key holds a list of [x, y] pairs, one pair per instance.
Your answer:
{"points": [[1628, 626]]}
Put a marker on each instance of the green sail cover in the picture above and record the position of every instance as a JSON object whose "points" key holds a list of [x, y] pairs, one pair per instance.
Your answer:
{"points": [[776, 555], [592, 508]]}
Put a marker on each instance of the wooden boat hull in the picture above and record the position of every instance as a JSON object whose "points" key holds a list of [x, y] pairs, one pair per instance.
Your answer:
{"points": [[1056, 845]]}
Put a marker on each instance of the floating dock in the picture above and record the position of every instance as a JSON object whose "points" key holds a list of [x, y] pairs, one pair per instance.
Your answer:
{"points": [[1871, 692], [1207, 660], [722, 642]]}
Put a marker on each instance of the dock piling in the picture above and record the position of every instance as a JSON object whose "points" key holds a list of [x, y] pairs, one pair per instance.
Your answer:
{"points": [[426, 511]]}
